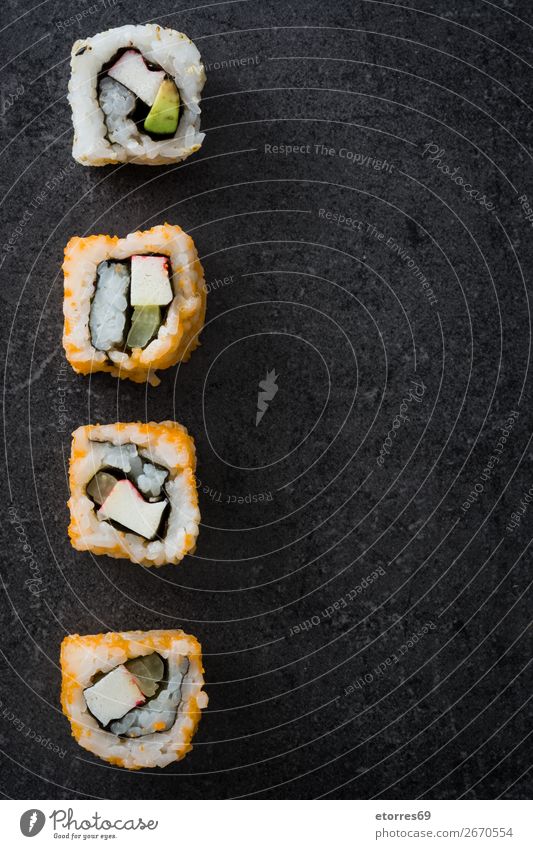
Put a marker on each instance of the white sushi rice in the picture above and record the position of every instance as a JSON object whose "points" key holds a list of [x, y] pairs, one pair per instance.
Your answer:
{"points": [[117, 102], [148, 478], [96, 143], [108, 312], [94, 534], [83, 657], [151, 480], [124, 457]]}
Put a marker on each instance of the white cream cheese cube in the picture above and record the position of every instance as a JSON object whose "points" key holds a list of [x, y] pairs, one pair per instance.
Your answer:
{"points": [[131, 71], [113, 695], [150, 284], [125, 505]]}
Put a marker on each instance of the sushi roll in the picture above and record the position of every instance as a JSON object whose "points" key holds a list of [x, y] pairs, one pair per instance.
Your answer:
{"points": [[134, 698], [132, 305], [135, 93], [133, 492]]}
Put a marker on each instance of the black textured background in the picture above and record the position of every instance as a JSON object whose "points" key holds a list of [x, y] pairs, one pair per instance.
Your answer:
{"points": [[349, 706]]}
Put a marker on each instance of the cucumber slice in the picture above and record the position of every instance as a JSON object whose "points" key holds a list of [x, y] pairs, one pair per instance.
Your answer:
{"points": [[100, 486], [145, 323]]}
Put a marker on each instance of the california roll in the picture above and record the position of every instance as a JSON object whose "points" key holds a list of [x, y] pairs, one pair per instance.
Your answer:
{"points": [[133, 492], [132, 305], [134, 698], [135, 94]]}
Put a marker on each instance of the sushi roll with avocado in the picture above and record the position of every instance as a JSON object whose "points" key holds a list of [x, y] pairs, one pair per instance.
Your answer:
{"points": [[134, 698], [135, 94], [132, 305], [133, 492]]}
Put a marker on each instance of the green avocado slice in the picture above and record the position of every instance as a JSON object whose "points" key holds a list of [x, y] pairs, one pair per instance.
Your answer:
{"points": [[162, 119]]}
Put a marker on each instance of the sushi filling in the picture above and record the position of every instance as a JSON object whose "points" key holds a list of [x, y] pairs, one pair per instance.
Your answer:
{"points": [[107, 321], [139, 697], [130, 302], [137, 98], [129, 493]]}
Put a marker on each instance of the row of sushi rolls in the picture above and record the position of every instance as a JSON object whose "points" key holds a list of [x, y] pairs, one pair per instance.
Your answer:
{"points": [[133, 306]]}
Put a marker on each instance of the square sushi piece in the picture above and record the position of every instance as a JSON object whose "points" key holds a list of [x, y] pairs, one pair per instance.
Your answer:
{"points": [[133, 305], [133, 492], [133, 698], [135, 95]]}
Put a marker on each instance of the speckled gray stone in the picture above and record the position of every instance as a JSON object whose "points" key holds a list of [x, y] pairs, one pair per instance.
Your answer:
{"points": [[359, 585]]}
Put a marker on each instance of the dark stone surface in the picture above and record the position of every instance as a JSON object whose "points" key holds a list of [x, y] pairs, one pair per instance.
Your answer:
{"points": [[339, 709]]}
